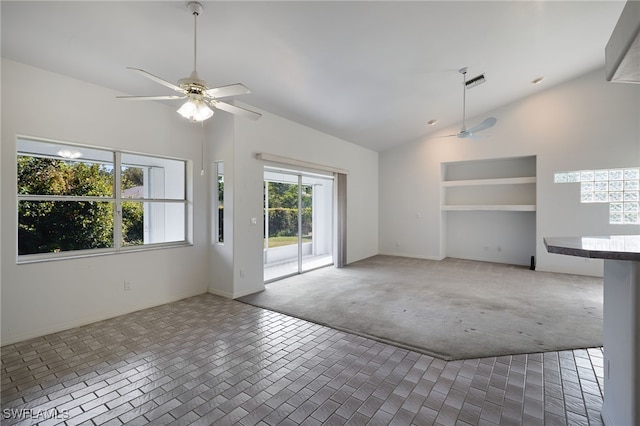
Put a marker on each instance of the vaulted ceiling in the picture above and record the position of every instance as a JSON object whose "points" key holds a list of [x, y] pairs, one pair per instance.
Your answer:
{"points": [[370, 72]]}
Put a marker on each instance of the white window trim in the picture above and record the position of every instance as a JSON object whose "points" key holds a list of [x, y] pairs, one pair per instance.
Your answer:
{"points": [[117, 201]]}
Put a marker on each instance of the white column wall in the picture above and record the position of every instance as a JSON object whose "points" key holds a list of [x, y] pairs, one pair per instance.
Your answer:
{"points": [[221, 141], [275, 135], [45, 297]]}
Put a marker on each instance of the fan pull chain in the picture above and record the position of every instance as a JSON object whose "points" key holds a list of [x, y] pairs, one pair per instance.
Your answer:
{"points": [[202, 148]]}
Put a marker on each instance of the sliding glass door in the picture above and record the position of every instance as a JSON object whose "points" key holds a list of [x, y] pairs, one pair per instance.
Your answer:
{"points": [[298, 222]]}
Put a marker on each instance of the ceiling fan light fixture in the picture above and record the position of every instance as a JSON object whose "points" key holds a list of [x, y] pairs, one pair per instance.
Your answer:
{"points": [[201, 99], [195, 110], [537, 80]]}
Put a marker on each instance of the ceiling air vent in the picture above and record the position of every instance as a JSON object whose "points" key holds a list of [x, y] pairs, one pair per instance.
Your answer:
{"points": [[622, 53], [475, 81]]}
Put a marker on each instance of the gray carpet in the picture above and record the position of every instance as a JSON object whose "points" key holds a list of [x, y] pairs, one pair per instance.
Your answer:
{"points": [[451, 309]]}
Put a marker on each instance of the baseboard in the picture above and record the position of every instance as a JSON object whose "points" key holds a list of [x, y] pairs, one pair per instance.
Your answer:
{"points": [[248, 292], [500, 261], [412, 256], [220, 293], [228, 295], [564, 271]]}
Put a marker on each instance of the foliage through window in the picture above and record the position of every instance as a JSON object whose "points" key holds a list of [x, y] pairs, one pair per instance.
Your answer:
{"points": [[283, 209], [219, 203], [74, 198]]}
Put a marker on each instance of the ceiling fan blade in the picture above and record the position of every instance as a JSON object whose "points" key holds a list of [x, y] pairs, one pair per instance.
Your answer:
{"points": [[489, 122], [236, 110], [226, 91], [156, 79], [151, 98]]}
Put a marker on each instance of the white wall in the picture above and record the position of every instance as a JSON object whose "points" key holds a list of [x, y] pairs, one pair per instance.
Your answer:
{"points": [[44, 297], [221, 135], [583, 124], [393, 197], [501, 236], [275, 135]]}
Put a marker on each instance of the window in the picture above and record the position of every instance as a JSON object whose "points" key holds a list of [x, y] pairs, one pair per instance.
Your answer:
{"points": [[218, 206], [79, 199], [618, 187]]}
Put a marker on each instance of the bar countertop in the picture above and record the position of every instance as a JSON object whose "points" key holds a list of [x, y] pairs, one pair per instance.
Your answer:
{"points": [[615, 247]]}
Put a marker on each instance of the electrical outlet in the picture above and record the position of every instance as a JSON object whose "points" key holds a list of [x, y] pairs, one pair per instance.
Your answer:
{"points": [[127, 285]]}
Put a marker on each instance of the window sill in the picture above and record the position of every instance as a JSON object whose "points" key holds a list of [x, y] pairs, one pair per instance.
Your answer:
{"points": [[80, 254]]}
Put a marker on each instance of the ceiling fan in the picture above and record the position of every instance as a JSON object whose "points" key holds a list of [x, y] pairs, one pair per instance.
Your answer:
{"points": [[200, 97], [488, 122]]}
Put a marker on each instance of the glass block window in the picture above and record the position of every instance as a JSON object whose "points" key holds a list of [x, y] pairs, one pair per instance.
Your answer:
{"points": [[618, 187]]}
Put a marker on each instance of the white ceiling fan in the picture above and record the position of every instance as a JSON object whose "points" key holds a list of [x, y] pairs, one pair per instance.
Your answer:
{"points": [[488, 122], [200, 97]]}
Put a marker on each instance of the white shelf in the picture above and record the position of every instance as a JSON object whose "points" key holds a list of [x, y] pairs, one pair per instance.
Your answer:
{"points": [[491, 207], [500, 181]]}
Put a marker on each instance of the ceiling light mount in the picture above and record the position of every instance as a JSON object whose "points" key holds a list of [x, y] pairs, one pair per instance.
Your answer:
{"points": [[195, 8]]}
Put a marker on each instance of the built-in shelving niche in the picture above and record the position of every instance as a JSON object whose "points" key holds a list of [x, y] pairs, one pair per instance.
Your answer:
{"points": [[489, 209]]}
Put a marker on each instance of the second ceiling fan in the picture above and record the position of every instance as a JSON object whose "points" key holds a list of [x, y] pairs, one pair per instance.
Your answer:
{"points": [[200, 97], [487, 123]]}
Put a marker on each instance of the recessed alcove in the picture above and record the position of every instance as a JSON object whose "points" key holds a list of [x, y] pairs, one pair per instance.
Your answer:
{"points": [[489, 209]]}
